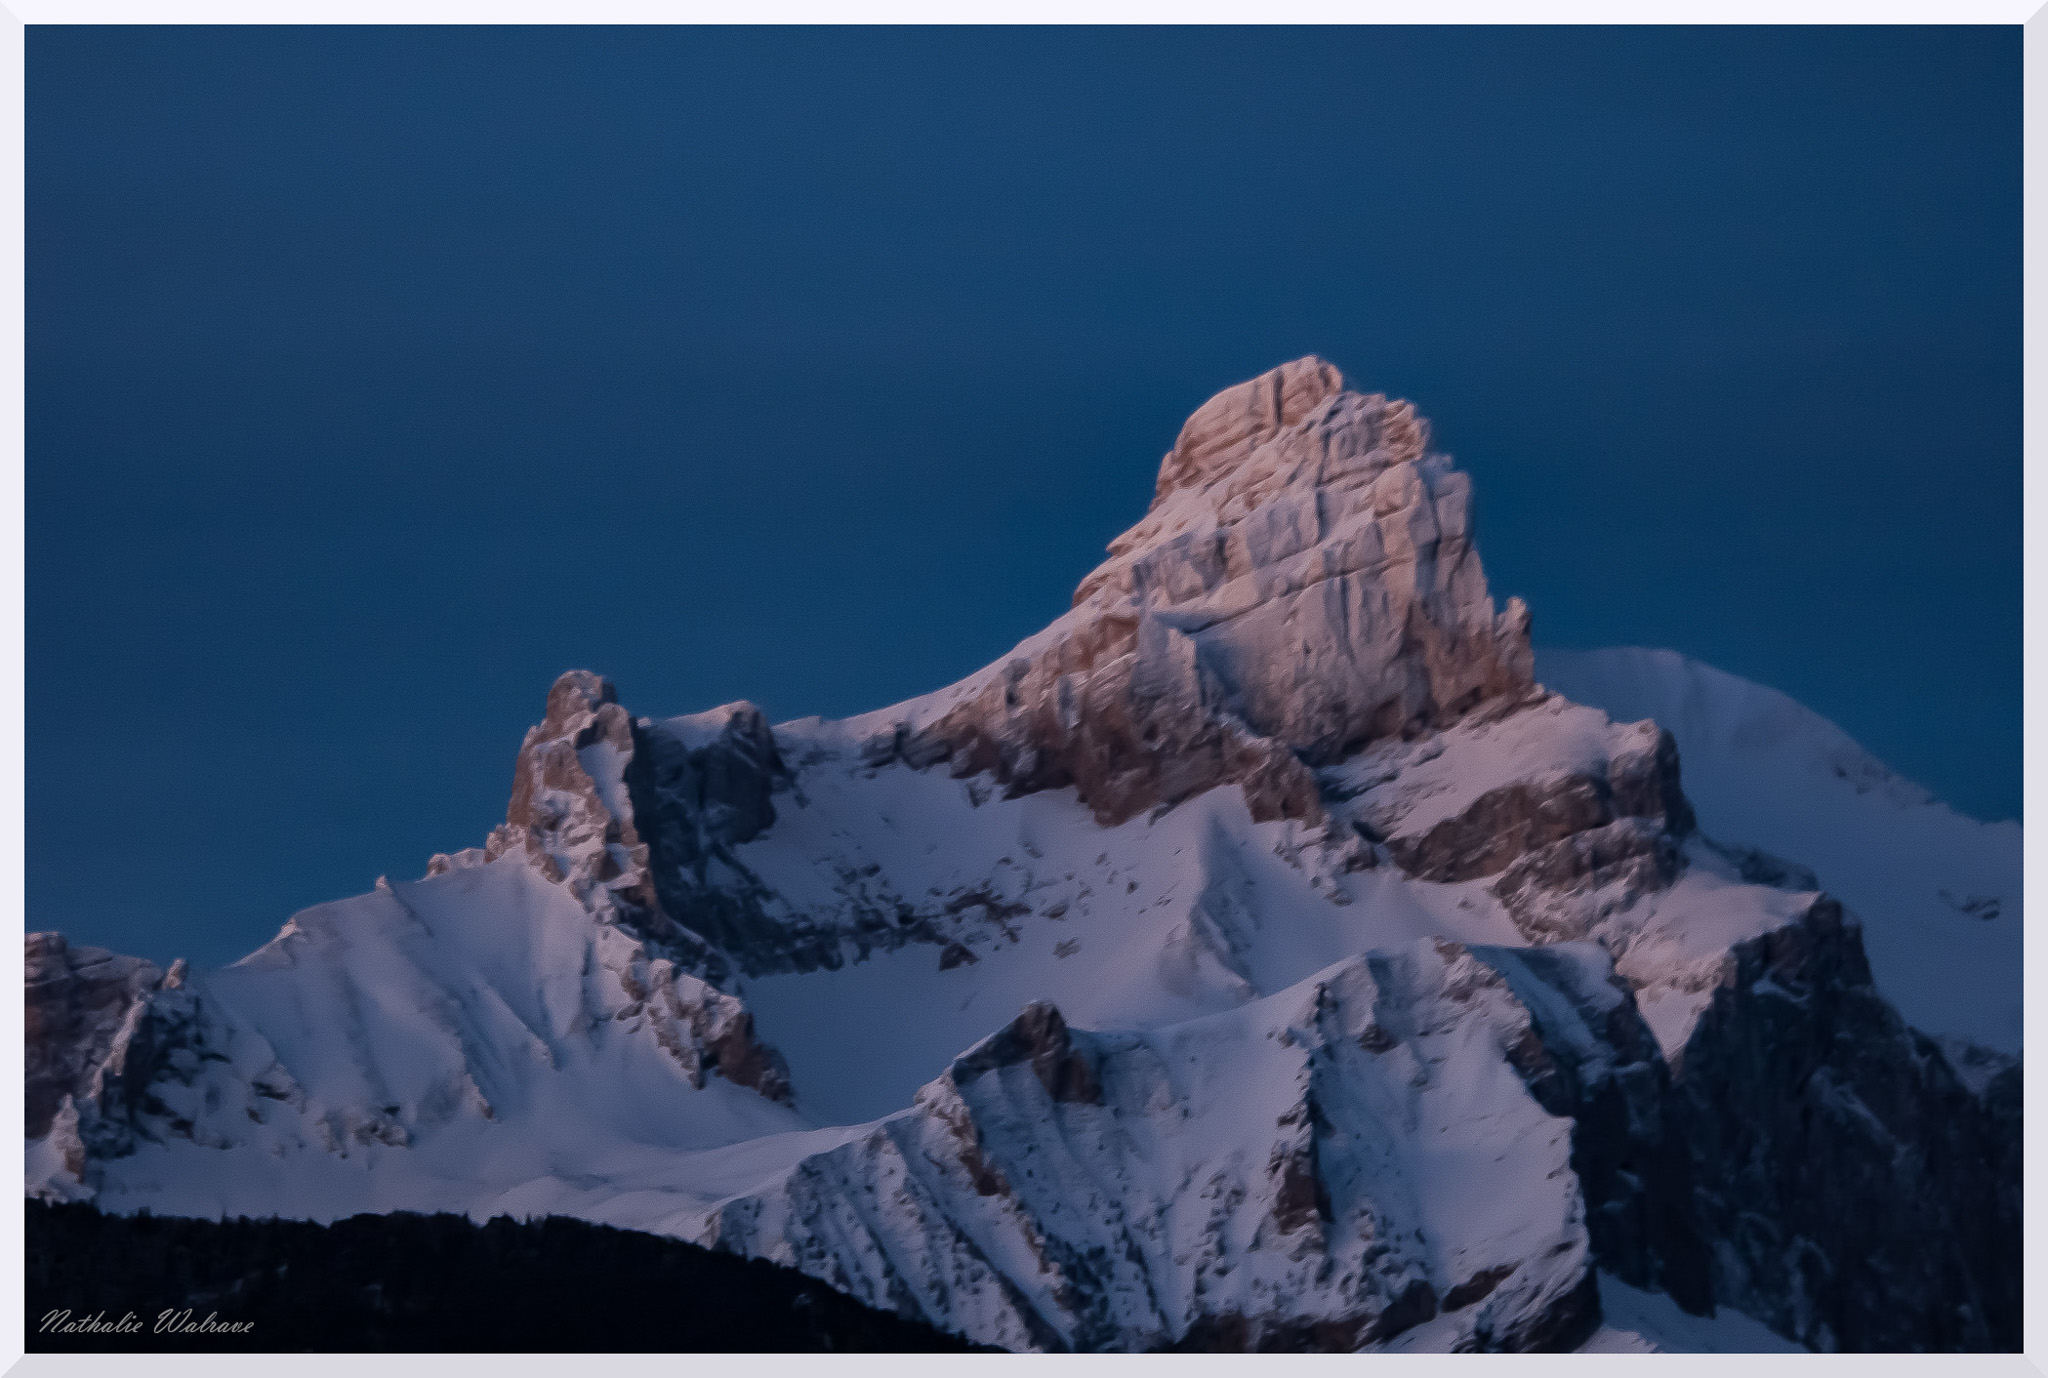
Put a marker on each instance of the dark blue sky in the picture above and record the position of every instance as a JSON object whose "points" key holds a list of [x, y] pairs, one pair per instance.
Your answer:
{"points": [[377, 376]]}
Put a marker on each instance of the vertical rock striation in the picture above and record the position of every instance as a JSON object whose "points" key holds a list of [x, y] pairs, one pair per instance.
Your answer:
{"points": [[1304, 584]]}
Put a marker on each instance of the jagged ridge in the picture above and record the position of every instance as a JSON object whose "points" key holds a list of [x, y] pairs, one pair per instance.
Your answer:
{"points": [[1347, 857]]}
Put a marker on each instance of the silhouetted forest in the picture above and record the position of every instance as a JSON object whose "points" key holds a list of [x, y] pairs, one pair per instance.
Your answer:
{"points": [[426, 1283]]}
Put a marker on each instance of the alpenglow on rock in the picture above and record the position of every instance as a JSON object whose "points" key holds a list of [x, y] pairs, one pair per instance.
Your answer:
{"points": [[1256, 958], [1303, 585]]}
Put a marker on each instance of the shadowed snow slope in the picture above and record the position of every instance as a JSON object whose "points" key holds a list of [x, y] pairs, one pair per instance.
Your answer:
{"points": [[1257, 958], [1637, 1322]]}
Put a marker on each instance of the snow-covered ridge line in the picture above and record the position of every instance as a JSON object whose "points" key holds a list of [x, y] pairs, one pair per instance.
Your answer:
{"points": [[1180, 980]]}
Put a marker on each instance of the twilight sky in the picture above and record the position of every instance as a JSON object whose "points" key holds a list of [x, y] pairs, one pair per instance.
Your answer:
{"points": [[377, 376]]}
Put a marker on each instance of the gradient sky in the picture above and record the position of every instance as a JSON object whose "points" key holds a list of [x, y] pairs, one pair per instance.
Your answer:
{"points": [[377, 376]]}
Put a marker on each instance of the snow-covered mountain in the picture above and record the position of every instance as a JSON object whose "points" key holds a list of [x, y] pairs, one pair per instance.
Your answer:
{"points": [[1258, 957]]}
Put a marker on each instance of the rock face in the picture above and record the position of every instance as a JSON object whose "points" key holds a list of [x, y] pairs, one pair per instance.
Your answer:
{"points": [[1303, 585], [1592, 1059], [1542, 830], [572, 819], [79, 1002], [641, 820], [1294, 1175], [1806, 1157], [1372, 996], [1466, 804], [1860, 1195], [121, 1053], [701, 787]]}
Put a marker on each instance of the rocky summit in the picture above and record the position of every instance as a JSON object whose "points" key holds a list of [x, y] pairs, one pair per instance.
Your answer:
{"points": [[1264, 956], [1304, 585]]}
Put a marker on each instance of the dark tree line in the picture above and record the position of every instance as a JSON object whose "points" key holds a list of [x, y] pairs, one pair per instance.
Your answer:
{"points": [[427, 1283]]}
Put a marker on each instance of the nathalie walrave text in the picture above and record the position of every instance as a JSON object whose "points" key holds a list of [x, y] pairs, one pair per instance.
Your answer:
{"points": [[168, 1322]]}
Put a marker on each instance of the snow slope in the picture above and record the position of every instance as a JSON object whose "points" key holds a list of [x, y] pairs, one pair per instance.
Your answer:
{"points": [[1639, 1322]]}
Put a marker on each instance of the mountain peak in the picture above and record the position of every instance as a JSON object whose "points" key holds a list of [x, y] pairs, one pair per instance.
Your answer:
{"points": [[575, 694], [1446, 937], [1230, 425], [1304, 583]]}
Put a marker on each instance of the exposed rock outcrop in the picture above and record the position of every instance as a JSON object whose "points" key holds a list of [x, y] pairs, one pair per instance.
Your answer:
{"points": [[1038, 1037], [1592, 1059], [121, 1052], [641, 819], [1271, 1179], [1564, 889], [1859, 1194], [1807, 1158], [572, 819], [1518, 820], [1304, 584], [79, 1002], [704, 1029], [700, 787]]}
